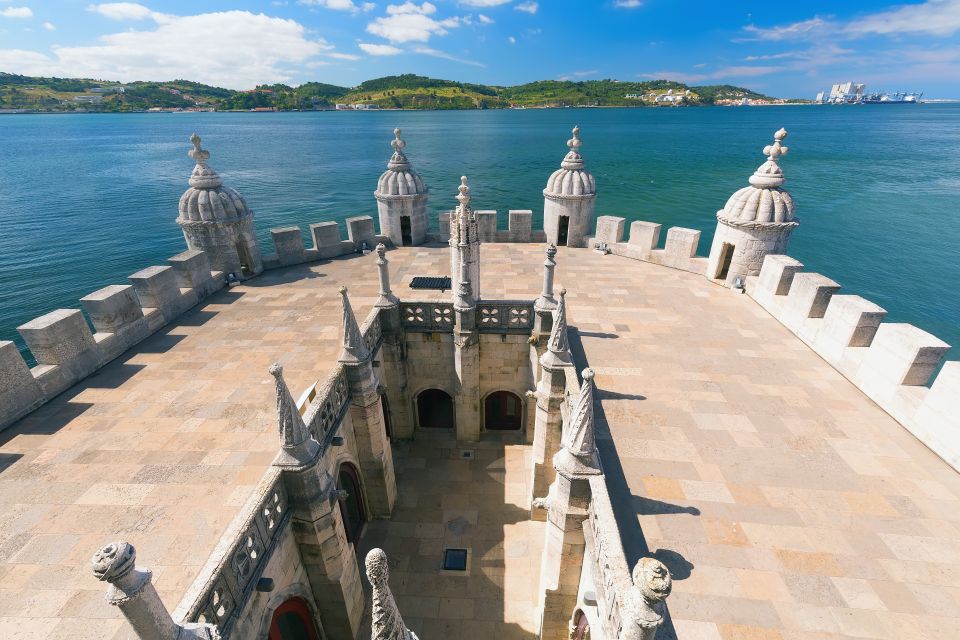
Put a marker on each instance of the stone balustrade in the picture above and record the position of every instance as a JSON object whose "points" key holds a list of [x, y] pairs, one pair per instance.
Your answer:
{"points": [[290, 248], [219, 594], [65, 349], [629, 606], [679, 252], [892, 363]]}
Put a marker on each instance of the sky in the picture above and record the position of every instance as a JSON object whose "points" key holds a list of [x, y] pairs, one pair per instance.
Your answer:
{"points": [[787, 48]]}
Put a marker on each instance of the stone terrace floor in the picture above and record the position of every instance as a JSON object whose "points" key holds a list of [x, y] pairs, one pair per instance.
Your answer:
{"points": [[785, 502], [480, 504]]}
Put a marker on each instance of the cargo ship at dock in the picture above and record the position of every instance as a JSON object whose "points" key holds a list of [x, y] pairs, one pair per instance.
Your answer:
{"points": [[855, 93]]}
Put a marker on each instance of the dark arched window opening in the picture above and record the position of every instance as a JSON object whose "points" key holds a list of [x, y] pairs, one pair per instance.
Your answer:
{"points": [[351, 508], [293, 621], [387, 424], [502, 411], [435, 409]]}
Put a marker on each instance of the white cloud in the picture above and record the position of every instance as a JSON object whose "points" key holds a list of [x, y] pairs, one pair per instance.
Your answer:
{"points": [[410, 22], [483, 3], [239, 50], [931, 18], [528, 7], [511, 40], [122, 11], [379, 49], [16, 12], [339, 5], [343, 56], [484, 19], [49, 26], [427, 51], [627, 4], [934, 17]]}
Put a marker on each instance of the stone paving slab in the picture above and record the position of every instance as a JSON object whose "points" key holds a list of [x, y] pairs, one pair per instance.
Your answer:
{"points": [[785, 502]]}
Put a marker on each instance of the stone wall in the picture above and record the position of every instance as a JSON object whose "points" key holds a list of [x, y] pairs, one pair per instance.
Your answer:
{"points": [[290, 249], [505, 366], [679, 252], [519, 227], [67, 351], [890, 362]]}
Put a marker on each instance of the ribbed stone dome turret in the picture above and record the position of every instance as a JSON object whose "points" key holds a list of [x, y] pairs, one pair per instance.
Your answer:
{"points": [[399, 179], [571, 179], [207, 198], [763, 202]]}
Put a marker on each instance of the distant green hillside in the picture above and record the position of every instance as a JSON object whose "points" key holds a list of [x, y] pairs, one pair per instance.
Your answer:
{"points": [[406, 91]]}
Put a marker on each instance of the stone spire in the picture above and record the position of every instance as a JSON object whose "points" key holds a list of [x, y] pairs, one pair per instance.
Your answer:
{"points": [[354, 349], [296, 444], [465, 239], [558, 347], [464, 289], [579, 452], [386, 622]]}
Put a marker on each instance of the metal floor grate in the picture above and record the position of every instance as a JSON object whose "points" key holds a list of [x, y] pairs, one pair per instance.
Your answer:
{"points": [[439, 283]]}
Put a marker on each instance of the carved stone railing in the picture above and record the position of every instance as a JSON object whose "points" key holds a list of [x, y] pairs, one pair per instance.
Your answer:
{"points": [[505, 316], [426, 316], [372, 332], [224, 585], [328, 406], [608, 563]]}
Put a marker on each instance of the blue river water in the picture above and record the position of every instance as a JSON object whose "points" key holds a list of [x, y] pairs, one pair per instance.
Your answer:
{"points": [[85, 200]]}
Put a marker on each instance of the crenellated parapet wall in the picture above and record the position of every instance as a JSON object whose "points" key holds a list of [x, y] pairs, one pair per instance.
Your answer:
{"points": [[328, 242], [892, 363], [679, 252], [67, 351], [519, 227]]}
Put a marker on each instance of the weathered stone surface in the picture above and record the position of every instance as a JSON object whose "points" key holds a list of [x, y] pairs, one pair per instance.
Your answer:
{"points": [[113, 307], [289, 245], [60, 337], [645, 235], [360, 231], [610, 229]]}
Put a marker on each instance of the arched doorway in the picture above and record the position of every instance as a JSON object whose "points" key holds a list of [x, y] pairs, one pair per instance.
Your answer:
{"points": [[502, 411], [435, 409], [351, 508], [581, 626], [293, 621]]}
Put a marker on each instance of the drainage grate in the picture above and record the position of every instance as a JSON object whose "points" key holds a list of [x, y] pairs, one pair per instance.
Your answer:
{"points": [[440, 283], [466, 454], [454, 559]]}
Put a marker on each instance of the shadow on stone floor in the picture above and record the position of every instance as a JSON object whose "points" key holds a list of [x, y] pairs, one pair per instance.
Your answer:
{"points": [[7, 459], [286, 275], [625, 506], [596, 334], [447, 501], [645, 506]]}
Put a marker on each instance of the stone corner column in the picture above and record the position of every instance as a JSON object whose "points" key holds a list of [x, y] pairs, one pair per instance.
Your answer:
{"points": [[555, 363], [374, 452], [545, 304], [132, 591]]}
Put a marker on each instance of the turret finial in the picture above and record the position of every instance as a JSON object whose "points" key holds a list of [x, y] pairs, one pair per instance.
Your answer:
{"points": [[198, 153], [559, 344], [575, 142], [386, 622], [464, 196], [580, 437], [397, 143], [775, 150]]}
